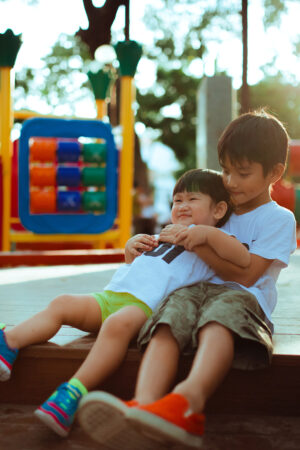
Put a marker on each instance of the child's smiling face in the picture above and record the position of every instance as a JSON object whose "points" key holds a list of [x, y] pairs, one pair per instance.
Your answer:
{"points": [[193, 208]]}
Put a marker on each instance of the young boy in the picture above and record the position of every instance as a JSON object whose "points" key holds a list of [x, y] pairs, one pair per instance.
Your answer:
{"points": [[129, 298], [227, 323]]}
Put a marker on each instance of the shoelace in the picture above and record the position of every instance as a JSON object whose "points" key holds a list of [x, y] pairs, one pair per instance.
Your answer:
{"points": [[67, 397]]}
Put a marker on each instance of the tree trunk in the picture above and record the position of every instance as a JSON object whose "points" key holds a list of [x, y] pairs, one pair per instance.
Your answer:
{"points": [[100, 22], [245, 98]]}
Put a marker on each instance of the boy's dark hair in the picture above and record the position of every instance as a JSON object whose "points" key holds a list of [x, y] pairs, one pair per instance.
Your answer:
{"points": [[208, 182], [256, 136]]}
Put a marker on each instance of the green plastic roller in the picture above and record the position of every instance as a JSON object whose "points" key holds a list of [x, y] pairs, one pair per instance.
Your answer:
{"points": [[94, 201], [93, 176], [94, 153]]}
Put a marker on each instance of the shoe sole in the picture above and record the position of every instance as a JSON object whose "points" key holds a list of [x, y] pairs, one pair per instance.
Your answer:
{"points": [[103, 417], [48, 420], [4, 372], [168, 434]]}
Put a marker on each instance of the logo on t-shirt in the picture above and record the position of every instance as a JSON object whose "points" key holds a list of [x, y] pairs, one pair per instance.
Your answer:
{"points": [[169, 251]]}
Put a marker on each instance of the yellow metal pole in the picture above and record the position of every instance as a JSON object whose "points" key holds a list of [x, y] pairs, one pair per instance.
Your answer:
{"points": [[101, 112], [126, 159], [6, 151], [101, 108]]}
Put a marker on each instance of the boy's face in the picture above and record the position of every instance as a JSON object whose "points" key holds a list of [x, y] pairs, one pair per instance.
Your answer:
{"points": [[193, 208], [246, 184]]}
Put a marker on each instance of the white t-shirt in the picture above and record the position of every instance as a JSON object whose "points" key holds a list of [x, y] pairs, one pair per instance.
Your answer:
{"points": [[154, 275], [270, 232]]}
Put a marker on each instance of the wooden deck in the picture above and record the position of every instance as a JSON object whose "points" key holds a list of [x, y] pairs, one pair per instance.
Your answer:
{"points": [[40, 368]]}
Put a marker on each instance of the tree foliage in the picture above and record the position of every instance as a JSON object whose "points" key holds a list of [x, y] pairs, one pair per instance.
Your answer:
{"points": [[175, 85], [280, 98], [183, 30], [169, 106], [61, 80]]}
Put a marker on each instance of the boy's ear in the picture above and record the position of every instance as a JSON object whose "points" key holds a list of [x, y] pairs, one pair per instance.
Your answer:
{"points": [[277, 172], [220, 210]]}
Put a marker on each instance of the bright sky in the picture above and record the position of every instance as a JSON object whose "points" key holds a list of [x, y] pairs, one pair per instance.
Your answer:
{"points": [[41, 24]]}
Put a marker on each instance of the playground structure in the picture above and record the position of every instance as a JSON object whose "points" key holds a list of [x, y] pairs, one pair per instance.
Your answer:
{"points": [[56, 194], [74, 185]]}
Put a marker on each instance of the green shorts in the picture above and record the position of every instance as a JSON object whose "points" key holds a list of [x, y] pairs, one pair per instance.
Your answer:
{"points": [[110, 302], [188, 309]]}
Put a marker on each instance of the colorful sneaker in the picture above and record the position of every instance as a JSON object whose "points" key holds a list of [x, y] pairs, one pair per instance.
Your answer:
{"points": [[170, 421], [103, 417], [7, 357], [59, 410]]}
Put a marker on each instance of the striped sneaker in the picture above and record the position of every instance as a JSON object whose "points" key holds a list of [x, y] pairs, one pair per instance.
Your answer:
{"points": [[7, 357], [59, 410]]}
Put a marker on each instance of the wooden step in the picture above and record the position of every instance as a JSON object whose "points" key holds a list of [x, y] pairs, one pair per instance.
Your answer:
{"points": [[41, 368]]}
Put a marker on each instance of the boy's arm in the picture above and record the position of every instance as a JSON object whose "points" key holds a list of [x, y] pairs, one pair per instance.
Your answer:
{"points": [[228, 271], [138, 244], [224, 245], [227, 247], [223, 268]]}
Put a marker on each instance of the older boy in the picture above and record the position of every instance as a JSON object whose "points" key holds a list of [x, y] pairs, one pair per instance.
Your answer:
{"points": [[228, 323]]}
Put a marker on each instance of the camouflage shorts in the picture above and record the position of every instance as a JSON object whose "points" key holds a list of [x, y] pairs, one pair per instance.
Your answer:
{"points": [[188, 309]]}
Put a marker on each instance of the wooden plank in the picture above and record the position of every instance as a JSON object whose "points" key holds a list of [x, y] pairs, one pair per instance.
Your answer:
{"points": [[41, 368]]}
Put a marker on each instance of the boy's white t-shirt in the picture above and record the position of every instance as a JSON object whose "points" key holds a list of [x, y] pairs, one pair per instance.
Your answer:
{"points": [[153, 275], [270, 232]]}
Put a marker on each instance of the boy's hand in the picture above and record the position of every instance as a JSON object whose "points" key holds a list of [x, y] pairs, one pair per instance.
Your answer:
{"points": [[171, 232], [138, 244], [191, 237]]}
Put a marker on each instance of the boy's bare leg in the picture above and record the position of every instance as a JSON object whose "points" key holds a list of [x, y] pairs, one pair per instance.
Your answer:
{"points": [[212, 361], [159, 366], [79, 311], [111, 345]]}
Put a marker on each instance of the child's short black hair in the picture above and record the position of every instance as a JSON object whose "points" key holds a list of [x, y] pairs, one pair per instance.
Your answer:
{"points": [[208, 182], [257, 137]]}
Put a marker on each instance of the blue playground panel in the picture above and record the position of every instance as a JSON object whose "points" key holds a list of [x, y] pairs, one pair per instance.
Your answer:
{"points": [[70, 223]]}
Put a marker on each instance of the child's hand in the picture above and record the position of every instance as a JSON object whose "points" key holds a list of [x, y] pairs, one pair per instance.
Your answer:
{"points": [[170, 233], [194, 236], [138, 244]]}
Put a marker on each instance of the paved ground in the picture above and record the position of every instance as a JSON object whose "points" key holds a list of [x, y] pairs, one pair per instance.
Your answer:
{"points": [[19, 430]]}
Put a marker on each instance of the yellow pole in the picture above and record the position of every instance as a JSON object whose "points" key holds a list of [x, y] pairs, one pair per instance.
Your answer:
{"points": [[101, 108], [6, 151], [101, 112], [126, 160]]}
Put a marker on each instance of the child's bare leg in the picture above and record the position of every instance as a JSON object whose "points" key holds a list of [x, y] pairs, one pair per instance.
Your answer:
{"points": [[212, 361], [111, 345], [79, 311], [159, 366]]}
